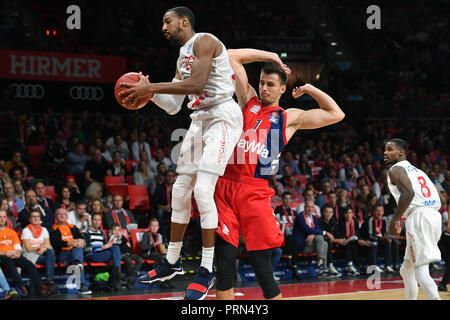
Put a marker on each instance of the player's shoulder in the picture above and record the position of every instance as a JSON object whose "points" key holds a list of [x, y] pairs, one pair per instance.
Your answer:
{"points": [[253, 105]]}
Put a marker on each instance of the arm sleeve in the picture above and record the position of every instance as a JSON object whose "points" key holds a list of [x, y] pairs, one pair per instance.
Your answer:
{"points": [[169, 102]]}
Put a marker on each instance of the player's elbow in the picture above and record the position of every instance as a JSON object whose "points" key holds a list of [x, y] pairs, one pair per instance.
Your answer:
{"points": [[340, 115]]}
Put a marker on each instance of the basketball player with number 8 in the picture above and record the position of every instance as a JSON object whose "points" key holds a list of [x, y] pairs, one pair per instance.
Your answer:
{"points": [[418, 202]]}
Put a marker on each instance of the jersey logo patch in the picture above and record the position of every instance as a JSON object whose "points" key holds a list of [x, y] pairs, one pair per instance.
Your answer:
{"points": [[274, 117], [255, 109]]}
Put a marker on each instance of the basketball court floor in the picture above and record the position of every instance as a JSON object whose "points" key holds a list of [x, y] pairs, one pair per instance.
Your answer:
{"points": [[389, 287]]}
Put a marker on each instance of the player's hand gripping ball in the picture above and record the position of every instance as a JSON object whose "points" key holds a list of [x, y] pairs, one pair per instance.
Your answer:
{"points": [[131, 81]]}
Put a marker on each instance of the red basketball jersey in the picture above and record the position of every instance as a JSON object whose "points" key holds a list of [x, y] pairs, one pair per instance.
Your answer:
{"points": [[263, 138]]}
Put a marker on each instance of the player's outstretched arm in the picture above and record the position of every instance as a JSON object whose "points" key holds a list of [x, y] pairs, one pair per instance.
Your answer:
{"points": [[205, 49], [328, 113], [399, 178], [238, 57]]}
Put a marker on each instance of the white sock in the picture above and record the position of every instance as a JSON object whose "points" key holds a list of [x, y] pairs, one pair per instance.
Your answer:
{"points": [[173, 251], [207, 258]]}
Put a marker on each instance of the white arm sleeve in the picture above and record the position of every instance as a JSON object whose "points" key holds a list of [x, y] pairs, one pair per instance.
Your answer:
{"points": [[170, 103]]}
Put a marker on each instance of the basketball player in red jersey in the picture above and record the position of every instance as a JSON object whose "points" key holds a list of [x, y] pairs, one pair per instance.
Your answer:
{"points": [[242, 194]]}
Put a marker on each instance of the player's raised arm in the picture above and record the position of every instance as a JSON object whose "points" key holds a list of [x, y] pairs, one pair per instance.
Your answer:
{"points": [[399, 178], [238, 57], [205, 49], [328, 113]]}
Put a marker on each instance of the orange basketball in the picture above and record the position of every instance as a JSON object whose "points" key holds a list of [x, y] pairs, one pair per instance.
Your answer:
{"points": [[131, 77]]}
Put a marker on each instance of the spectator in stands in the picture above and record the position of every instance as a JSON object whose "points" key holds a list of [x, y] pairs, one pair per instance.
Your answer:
{"points": [[11, 221], [310, 237], [96, 206], [343, 199], [97, 168], [359, 210], [100, 250], [289, 160], [371, 202], [76, 161], [348, 230], [348, 172], [18, 173], [65, 200], [304, 166], [39, 187], [94, 191], [54, 156], [162, 201], [374, 230], [349, 181], [293, 187], [332, 178], [68, 243], [121, 146], [3, 178], [48, 217], [15, 204], [37, 248], [79, 217], [16, 161], [322, 198], [8, 292], [309, 194], [277, 186], [327, 223], [141, 145], [71, 183], [159, 157], [11, 258], [118, 214], [332, 202], [18, 190], [285, 216], [118, 165], [360, 183], [128, 256], [143, 176]]}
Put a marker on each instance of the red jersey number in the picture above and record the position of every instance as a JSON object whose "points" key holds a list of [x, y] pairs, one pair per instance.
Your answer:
{"points": [[423, 187]]}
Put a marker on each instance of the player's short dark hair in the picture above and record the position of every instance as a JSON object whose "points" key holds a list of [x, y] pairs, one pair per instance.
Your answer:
{"points": [[184, 12], [400, 143], [270, 68]]}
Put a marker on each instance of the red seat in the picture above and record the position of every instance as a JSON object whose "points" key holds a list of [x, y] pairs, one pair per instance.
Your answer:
{"points": [[130, 179], [113, 180], [136, 238], [50, 192], [121, 188], [36, 155], [139, 198]]}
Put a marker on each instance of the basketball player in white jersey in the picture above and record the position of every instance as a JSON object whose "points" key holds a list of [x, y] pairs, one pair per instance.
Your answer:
{"points": [[204, 74], [418, 202]]}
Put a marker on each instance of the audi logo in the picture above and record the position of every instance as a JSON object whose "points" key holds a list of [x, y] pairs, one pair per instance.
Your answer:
{"points": [[86, 93], [28, 91]]}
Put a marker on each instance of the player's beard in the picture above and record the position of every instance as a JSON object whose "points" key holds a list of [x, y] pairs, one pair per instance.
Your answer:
{"points": [[174, 41]]}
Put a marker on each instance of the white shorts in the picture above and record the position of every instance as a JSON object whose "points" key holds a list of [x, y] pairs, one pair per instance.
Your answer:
{"points": [[423, 231], [211, 139]]}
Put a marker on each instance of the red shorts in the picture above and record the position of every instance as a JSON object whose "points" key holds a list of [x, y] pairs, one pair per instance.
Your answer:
{"points": [[243, 205]]}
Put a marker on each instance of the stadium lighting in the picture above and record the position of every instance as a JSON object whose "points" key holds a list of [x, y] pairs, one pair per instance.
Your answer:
{"points": [[333, 44]]}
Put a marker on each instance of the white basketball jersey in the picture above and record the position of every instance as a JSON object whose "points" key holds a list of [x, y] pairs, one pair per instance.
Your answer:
{"points": [[425, 193], [220, 85]]}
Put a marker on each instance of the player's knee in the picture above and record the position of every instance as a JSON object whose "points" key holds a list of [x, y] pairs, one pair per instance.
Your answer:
{"points": [[261, 263], [204, 196], [406, 270], [226, 265], [181, 199]]}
